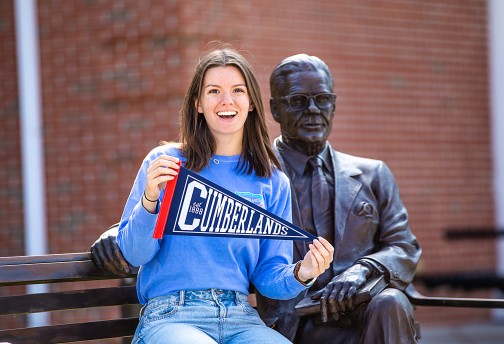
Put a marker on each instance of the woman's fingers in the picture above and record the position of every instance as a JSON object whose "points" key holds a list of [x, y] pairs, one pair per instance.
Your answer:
{"points": [[317, 261], [163, 165], [325, 248], [161, 170], [323, 253]]}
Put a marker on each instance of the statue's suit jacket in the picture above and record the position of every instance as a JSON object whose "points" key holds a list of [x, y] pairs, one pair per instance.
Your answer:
{"points": [[370, 223]]}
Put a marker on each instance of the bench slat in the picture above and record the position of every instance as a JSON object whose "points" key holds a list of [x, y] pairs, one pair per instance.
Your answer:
{"points": [[56, 301], [47, 258], [71, 332], [51, 273]]}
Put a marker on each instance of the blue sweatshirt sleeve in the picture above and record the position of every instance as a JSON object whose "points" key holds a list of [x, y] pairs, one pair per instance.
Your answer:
{"points": [[137, 224], [274, 273]]}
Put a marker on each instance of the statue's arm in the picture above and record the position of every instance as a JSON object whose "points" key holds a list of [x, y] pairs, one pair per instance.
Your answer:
{"points": [[399, 250], [107, 255]]}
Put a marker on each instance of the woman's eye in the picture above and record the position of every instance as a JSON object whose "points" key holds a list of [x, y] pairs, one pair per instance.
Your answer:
{"points": [[239, 90], [213, 91]]}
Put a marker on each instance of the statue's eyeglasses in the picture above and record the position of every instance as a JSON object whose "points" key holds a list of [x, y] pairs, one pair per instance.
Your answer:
{"points": [[300, 102]]}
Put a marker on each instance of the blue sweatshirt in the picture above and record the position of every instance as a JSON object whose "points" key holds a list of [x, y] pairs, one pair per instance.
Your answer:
{"points": [[177, 262]]}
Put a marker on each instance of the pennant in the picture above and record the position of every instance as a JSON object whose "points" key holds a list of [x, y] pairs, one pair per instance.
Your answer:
{"points": [[193, 205]]}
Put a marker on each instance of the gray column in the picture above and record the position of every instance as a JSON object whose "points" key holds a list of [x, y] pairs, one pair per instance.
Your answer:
{"points": [[496, 62], [32, 142]]}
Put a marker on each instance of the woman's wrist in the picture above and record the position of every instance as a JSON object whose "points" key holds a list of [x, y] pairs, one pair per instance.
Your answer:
{"points": [[148, 199], [308, 282], [149, 204]]}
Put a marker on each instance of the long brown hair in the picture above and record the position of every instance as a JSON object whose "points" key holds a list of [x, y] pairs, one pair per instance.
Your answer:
{"points": [[198, 143]]}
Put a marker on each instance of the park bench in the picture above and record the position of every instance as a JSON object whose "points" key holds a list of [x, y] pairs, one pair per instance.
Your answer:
{"points": [[78, 267], [58, 268]]}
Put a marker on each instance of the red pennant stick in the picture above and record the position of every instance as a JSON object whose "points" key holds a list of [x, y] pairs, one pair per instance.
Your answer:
{"points": [[165, 207]]}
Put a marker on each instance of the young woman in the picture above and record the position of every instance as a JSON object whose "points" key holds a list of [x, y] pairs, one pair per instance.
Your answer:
{"points": [[194, 289]]}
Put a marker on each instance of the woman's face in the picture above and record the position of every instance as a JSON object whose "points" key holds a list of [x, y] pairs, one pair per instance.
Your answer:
{"points": [[225, 103]]}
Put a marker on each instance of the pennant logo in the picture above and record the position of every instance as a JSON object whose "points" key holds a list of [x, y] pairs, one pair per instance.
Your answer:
{"points": [[192, 205]]}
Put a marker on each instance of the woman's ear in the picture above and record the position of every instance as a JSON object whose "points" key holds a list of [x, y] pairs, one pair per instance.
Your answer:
{"points": [[197, 106], [251, 107]]}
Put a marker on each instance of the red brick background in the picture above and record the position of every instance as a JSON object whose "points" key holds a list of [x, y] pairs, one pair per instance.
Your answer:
{"points": [[411, 78]]}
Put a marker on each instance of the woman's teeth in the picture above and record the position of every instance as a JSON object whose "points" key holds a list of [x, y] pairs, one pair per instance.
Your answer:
{"points": [[226, 114]]}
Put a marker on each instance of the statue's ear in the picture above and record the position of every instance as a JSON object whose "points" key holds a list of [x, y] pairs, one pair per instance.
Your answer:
{"points": [[274, 109]]}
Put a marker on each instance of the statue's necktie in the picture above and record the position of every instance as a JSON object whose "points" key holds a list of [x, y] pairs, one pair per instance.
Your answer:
{"points": [[322, 211], [320, 200]]}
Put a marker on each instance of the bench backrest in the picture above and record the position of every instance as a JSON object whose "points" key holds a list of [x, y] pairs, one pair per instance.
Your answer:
{"points": [[56, 268]]}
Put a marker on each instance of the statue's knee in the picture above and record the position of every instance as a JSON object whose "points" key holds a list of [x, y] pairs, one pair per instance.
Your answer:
{"points": [[391, 300]]}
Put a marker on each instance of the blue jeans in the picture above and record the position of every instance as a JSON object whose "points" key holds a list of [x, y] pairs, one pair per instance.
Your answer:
{"points": [[203, 317]]}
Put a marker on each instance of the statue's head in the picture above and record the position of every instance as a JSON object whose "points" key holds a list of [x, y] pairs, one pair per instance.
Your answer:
{"points": [[303, 102]]}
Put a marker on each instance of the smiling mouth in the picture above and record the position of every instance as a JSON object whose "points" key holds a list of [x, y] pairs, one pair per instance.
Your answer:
{"points": [[227, 114]]}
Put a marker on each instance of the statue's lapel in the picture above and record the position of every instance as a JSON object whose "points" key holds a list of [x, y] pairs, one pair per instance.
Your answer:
{"points": [[346, 188]]}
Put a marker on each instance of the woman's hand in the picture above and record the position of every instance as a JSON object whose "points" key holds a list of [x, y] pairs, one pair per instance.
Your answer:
{"points": [[161, 170], [317, 260]]}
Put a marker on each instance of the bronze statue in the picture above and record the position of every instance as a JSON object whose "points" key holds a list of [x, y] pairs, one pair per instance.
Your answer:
{"points": [[364, 219], [353, 202]]}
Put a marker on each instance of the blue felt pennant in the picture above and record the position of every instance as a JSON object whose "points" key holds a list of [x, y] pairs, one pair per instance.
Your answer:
{"points": [[193, 205]]}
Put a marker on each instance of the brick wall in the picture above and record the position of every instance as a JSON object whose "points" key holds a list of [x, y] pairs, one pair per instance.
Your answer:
{"points": [[411, 78], [11, 206]]}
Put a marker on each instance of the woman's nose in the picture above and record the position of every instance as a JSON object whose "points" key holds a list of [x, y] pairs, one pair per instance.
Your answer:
{"points": [[227, 98]]}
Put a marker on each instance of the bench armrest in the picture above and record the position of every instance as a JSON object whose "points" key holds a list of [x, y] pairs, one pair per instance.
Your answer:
{"points": [[418, 299]]}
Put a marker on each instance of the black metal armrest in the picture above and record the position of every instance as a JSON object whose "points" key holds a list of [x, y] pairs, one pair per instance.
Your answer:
{"points": [[418, 299]]}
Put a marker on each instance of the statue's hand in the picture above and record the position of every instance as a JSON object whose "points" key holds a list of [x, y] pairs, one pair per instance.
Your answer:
{"points": [[107, 254], [338, 297]]}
